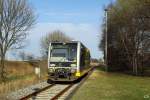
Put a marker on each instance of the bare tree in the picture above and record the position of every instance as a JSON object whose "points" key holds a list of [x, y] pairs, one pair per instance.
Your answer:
{"points": [[16, 18], [55, 36], [128, 33], [22, 55], [134, 31], [26, 56], [30, 57]]}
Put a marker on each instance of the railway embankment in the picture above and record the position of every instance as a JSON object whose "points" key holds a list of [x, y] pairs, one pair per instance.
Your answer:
{"points": [[26, 91], [47, 91], [21, 74]]}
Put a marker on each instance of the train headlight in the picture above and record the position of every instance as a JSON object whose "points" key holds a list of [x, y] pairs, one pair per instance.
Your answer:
{"points": [[52, 65], [73, 69], [50, 70], [73, 65]]}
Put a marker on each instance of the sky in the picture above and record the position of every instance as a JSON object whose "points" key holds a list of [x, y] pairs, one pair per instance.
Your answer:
{"points": [[79, 19]]}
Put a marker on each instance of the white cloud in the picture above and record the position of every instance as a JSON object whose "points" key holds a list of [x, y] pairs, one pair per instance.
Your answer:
{"points": [[84, 32]]}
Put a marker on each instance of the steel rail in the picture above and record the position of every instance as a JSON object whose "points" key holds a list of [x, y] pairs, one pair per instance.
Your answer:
{"points": [[50, 86], [36, 92], [61, 92], [67, 88]]}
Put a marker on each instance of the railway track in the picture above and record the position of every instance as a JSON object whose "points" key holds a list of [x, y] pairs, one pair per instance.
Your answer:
{"points": [[53, 91]]}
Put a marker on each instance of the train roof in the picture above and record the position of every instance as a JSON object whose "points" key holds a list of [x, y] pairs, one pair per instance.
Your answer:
{"points": [[66, 42], [71, 42]]}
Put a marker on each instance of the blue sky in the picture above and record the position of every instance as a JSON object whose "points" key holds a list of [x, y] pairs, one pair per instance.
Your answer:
{"points": [[79, 19]]}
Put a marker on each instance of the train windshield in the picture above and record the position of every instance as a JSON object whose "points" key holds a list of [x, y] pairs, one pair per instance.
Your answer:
{"points": [[63, 52], [59, 52]]}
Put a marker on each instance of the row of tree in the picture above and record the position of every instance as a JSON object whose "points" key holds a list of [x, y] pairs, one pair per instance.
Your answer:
{"points": [[128, 35]]}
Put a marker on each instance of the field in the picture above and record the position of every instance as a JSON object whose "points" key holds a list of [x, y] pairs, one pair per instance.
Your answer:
{"points": [[20, 74], [113, 86]]}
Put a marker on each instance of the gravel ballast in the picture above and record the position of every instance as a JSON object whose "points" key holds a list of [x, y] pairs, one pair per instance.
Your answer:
{"points": [[26, 91]]}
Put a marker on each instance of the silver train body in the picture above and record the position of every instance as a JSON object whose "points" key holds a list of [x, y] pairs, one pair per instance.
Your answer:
{"points": [[67, 60]]}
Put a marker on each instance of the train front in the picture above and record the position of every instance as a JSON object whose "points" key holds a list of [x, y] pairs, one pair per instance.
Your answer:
{"points": [[62, 61]]}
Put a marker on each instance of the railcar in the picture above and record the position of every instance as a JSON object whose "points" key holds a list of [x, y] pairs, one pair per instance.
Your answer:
{"points": [[67, 61]]}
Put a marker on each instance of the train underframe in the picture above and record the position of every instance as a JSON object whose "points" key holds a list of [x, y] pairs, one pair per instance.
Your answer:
{"points": [[61, 74], [66, 77]]}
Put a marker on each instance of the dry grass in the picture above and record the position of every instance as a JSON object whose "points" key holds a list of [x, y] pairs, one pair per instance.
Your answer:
{"points": [[5, 88], [20, 75], [18, 68]]}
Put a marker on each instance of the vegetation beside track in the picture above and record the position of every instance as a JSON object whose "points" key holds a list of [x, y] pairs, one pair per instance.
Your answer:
{"points": [[19, 75], [113, 86]]}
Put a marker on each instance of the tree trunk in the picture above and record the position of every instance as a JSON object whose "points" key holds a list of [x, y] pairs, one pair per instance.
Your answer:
{"points": [[132, 64], [141, 64], [136, 67], [2, 67]]}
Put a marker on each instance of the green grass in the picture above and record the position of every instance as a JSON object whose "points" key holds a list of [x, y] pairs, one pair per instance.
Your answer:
{"points": [[113, 86]]}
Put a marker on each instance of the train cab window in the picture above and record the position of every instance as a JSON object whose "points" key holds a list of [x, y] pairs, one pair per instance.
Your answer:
{"points": [[59, 52], [73, 54], [63, 53], [59, 55]]}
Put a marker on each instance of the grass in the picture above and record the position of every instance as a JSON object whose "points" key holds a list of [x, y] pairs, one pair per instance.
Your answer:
{"points": [[7, 87], [20, 75], [113, 86]]}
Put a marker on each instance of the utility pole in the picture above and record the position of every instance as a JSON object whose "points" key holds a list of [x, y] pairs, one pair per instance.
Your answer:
{"points": [[106, 30]]}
